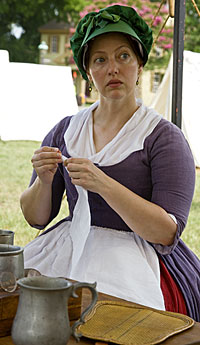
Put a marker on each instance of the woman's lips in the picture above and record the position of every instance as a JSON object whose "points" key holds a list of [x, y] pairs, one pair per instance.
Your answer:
{"points": [[114, 83]]}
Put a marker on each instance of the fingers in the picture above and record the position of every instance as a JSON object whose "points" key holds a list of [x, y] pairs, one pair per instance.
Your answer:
{"points": [[45, 162], [84, 170], [83, 173], [48, 156], [86, 174], [77, 160], [76, 164], [46, 153], [77, 169]]}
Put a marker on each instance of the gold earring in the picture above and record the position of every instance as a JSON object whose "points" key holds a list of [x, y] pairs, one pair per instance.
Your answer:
{"points": [[90, 87], [137, 82]]}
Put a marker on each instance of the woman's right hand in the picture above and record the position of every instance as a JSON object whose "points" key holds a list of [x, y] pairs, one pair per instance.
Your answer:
{"points": [[45, 162]]}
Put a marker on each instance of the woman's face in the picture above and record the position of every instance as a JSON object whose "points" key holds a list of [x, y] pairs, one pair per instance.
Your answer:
{"points": [[113, 66]]}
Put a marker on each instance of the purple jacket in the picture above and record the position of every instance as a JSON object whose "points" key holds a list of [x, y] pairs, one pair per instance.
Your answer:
{"points": [[162, 172]]}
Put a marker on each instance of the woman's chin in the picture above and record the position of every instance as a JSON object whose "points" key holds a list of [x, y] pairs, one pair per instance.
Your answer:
{"points": [[116, 94]]}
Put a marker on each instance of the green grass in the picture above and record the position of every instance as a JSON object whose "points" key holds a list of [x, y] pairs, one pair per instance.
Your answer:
{"points": [[191, 234], [15, 173]]}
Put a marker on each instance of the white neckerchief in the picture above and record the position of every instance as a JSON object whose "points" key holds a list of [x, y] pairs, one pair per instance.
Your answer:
{"points": [[79, 143]]}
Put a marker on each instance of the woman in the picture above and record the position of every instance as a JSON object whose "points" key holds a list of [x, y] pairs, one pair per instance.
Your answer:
{"points": [[129, 179]]}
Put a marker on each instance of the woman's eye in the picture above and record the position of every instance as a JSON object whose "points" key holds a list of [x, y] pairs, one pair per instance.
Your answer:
{"points": [[99, 60], [124, 56]]}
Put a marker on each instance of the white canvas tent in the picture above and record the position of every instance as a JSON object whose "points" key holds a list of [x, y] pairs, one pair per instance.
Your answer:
{"points": [[190, 100], [33, 98]]}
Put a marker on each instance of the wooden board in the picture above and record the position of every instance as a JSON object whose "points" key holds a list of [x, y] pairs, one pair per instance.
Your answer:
{"points": [[188, 337], [8, 308]]}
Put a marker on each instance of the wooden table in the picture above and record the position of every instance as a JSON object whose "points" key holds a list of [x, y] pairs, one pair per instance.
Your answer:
{"points": [[187, 337]]}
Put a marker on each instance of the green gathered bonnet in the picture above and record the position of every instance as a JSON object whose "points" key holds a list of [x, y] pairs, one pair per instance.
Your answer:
{"points": [[115, 18]]}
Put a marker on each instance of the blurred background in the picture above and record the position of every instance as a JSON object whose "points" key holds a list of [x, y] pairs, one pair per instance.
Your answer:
{"points": [[39, 32], [40, 84]]}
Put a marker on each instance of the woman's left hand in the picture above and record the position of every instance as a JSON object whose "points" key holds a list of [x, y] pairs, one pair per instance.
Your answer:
{"points": [[85, 174], [148, 220]]}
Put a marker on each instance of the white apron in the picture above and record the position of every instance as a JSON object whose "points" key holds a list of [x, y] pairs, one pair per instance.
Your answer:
{"points": [[122, 264]]}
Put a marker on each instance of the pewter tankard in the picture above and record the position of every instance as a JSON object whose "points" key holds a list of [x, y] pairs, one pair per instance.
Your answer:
{"points": [[42, 314], [12, 260], [6, 236]]}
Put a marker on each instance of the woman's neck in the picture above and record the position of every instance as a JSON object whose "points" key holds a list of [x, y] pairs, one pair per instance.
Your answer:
{"points": [[108, 118], [114, 111]]}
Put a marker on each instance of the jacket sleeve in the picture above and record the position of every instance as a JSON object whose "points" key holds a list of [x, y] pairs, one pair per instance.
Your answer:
{"points": [[55, 139], [173, 177]]}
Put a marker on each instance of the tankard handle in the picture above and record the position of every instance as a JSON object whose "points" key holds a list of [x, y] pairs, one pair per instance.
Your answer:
{"points": [[92, 288]]}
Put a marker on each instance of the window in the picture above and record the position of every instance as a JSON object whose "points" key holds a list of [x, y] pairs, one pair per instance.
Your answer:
{"points": [[54, 44], [157, 78]]}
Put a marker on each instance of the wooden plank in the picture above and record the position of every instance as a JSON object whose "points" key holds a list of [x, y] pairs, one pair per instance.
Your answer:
{"points": [[188, 337], [8, 306]]}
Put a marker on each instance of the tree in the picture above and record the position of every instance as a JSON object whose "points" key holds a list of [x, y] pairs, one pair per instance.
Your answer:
{"points": [[192, 27], [147, 10], [30, 15]]}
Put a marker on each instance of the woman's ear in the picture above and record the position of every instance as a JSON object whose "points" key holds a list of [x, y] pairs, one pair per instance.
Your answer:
{"points": [[140, 69], [88, 75], [89, 78], [90, 81]]}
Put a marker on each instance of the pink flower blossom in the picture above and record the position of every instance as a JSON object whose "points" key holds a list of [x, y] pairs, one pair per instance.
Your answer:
{"points": [[141, 13], [161, 38], [83, 13], [164, 9], [167, 31], [146, 9], [151, 16], [72, 30], [167, 46], [157, 21]]}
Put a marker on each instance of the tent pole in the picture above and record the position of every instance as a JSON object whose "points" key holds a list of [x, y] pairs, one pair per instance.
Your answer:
{"points": [[178, 48]]}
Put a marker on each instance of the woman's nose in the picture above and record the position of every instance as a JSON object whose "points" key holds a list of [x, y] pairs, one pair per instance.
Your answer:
{"points": [[113, 67]]}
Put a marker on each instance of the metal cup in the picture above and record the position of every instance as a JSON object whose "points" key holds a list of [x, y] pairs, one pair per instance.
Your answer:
{"points": [[12, 260], [6, 237]]}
